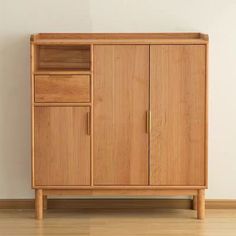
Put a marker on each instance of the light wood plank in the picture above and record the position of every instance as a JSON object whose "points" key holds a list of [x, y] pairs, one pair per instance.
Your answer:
{"points": [[62, 104], [92, 114], [178, 101], [121, 192], [118, 38], [142, 187], [81, 36], [206, 113], [107, 222], [76, 42], [62, 146], [32, 69], [121, 84], [201, 204], [62, 72], [39, 204]]}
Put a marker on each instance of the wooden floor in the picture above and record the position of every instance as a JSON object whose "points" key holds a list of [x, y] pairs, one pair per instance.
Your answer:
{"points": [[120, 222]]}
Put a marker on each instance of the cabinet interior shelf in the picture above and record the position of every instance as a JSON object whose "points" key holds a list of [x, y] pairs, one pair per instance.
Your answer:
{"points": [[63, 58]]}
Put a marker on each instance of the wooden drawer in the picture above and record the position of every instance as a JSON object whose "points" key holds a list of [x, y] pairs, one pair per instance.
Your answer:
{"points": [[62, 88]]}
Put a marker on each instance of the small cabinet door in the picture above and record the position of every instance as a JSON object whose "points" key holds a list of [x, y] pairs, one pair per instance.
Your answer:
{"points": [[177, 142], [121, 101], [61, 146]]}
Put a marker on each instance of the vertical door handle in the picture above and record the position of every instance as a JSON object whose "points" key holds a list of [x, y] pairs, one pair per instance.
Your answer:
{"points": [[148, 122], [88, 123]]}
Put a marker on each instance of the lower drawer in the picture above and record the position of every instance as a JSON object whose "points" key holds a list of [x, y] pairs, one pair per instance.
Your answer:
{"points": [[62, 88]]}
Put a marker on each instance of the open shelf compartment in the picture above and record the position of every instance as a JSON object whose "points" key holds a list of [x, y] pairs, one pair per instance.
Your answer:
{"points": [[63, 58]]}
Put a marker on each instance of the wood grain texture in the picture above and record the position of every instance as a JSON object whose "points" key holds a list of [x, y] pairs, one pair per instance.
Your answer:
{"points": [[121, 88], [32, 70], [108, 222], [76, 42], [121, 192], [81, 36], [178, 100], [91, 114], [201, 204], [39, 204], [63, 57], [62, 146], [123, 187], [62, 72], [62, 104], [62, 88], [206, 115], [118, 38]]}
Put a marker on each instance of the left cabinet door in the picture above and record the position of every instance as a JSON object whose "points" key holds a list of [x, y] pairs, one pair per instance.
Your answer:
{"points": [[61, 146]]}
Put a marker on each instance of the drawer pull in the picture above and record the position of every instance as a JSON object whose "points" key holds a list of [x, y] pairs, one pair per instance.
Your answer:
{"points": [[148, 122], [88, 124]]}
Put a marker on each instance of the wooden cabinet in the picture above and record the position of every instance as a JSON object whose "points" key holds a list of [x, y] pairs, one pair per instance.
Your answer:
{"points": [[119, 115]]}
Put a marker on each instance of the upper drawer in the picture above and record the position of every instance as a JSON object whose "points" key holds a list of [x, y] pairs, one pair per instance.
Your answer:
{"points": [[62, 88]]}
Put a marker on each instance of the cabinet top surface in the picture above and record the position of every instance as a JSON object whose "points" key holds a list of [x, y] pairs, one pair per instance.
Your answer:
{"points": [[119, 38]]}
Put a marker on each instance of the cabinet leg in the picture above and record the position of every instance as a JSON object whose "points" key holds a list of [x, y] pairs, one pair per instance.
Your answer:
{"points": [[194, 203], [201, 204], [39, 204], [45, 202]]}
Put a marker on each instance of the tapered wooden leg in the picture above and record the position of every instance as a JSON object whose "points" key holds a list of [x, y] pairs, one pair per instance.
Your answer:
{"points": [[194, 204], [45, 202], [39, 204], [201, 204]]}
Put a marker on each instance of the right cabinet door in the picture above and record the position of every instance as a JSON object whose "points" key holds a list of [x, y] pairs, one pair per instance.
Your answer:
{"points": [[178, 107]]}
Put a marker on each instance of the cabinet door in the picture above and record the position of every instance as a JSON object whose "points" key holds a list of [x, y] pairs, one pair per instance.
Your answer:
{"points": [[61, 146], [177, 144], [121, 100]]}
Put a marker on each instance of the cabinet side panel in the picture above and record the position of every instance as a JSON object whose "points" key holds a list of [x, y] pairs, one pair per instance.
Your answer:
{"points": [[32, 69], [178, 102], [121, 100], [62, 146]]}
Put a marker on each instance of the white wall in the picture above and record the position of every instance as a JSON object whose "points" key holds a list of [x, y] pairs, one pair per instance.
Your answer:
{"points": [[19, 19]]}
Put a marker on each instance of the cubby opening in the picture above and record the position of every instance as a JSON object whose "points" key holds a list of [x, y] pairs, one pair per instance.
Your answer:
{"points": [[63, 58]]}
